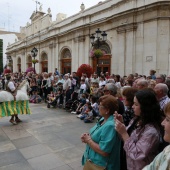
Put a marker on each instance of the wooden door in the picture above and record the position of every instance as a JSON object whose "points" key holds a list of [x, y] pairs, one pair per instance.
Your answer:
{"points": [[104, 64], [44, 66], [66, 66], [19, 68]]}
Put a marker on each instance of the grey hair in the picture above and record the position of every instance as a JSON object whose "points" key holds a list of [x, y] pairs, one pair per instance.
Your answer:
{"points": [[163, 76], [167, 81], [163, 87], [143, 83], [111, 87]]}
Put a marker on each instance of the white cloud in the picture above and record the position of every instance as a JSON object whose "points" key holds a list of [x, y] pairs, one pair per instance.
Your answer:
{"points": [[17, 13]]}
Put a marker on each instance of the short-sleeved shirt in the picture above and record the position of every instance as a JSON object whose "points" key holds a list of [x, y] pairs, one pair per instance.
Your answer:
{"points": [[109, 142], [11, 86]]}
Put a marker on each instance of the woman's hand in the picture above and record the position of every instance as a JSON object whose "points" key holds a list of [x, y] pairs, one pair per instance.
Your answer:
{"points": [[121, 129], [118, 117], [85, 137]]}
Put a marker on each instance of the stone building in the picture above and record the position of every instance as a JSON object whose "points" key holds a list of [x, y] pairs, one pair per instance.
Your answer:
{"points": [[138, 38]]}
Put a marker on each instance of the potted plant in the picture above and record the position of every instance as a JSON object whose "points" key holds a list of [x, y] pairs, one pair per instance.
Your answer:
{"points": [[34, 61], [97, 53]]}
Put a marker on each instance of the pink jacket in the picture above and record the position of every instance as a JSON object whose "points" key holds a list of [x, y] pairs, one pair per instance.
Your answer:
{"points": [[142, 147]]}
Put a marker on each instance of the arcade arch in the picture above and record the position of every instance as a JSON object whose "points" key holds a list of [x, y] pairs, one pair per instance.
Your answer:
{"points": [[102, 64]]}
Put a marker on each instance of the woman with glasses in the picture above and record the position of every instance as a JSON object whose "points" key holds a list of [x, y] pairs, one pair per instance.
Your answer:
{"points": [[103, 143]]}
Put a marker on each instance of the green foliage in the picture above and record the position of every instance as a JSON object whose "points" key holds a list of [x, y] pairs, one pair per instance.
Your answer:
{"points": [[97, 53]]}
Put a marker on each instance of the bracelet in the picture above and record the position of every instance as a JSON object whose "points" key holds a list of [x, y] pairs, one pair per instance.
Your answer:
{"points": [[88, 139]]}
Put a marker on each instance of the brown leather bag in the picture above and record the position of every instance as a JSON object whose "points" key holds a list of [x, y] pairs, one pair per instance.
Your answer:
{"points": [[89, 165]]}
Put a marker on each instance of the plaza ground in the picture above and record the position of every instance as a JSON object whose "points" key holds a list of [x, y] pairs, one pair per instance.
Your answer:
{"points": [[48, 139]]}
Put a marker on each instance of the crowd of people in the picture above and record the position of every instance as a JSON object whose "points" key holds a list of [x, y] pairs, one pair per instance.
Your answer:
{"points": [[132, 114]]}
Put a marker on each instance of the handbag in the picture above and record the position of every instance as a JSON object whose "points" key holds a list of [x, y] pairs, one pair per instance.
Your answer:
{"points": [[89, 165]]}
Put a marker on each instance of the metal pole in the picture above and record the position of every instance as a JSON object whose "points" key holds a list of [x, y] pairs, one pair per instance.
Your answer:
{"points": [[34, 63], [97, 67]]}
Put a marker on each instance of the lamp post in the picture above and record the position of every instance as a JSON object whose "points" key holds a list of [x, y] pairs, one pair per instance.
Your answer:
{"points": [[34, 53], [97, 40]]}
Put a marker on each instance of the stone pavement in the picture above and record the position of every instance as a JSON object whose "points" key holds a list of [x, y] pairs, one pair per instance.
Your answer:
{"points": [[48, 139]]}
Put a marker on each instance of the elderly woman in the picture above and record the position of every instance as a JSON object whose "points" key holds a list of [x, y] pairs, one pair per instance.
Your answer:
{"points": [[103, 143], [128, 96], [142, 136], [162, 161]]}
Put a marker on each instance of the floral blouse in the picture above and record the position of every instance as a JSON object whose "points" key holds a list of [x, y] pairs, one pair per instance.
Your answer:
{"points": [[141, 147], [161, 162]]}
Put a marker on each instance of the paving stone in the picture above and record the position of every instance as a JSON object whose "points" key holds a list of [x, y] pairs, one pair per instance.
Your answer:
{"points": [[64, 167], [48, 139], [6, 146], [74, 138], [81, 147], [10, 157], [46, 129], [34, 151], [76, 165], [3, 136], [22, 165], [25, 142], [15, 132], [70, 155], [37, 124], [44, 137], [58, 145], [46, 162]]}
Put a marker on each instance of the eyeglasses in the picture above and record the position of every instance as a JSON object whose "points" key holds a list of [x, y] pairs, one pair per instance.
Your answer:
{"points": [[100, 106]]}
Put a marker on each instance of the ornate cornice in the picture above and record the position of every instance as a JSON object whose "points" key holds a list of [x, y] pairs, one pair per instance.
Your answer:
{"points": [[126, 28], [79, 38]]}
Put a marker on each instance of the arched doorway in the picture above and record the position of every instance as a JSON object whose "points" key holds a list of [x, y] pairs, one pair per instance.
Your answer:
{"points": [[66, 61], [19, 64], [44, 63], [103, 64], [29, 61]]}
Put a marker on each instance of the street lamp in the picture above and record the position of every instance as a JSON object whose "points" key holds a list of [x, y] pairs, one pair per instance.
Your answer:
{"points": [[100, 37], [34, 53]]}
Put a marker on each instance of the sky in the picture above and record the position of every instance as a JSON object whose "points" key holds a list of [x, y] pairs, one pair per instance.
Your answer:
{"points": [[16, 13]]}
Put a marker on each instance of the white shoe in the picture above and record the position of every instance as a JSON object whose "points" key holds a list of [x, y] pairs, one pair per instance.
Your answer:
{"points": [[79, 115], [73, 112]]}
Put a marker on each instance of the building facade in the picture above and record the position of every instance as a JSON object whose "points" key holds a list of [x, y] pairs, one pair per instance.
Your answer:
{"points": [[138, 38], [1, 56]]}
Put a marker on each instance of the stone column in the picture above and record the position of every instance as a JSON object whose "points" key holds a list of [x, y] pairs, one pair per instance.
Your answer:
{"points": [[14, 64]]}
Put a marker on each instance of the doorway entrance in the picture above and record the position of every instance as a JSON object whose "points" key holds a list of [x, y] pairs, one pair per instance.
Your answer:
{"points": [[66, 66], [19, 65], [103, 64], [44, 63], [66, 61]]}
